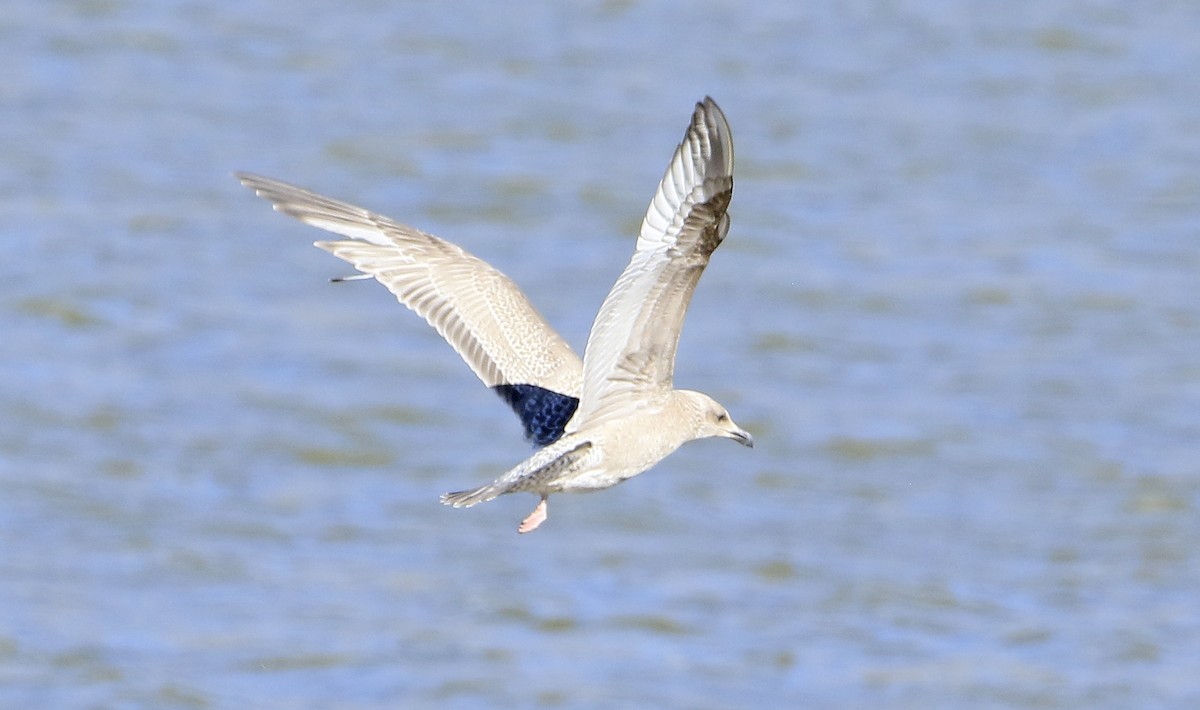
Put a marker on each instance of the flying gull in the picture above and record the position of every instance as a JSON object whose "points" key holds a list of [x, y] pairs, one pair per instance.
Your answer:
{"points": [[602, 419]]}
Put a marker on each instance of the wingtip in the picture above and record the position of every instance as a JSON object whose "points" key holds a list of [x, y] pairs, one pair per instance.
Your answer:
{"points": [[709, 105], [710, 119], [244, 177], [255, 182]]}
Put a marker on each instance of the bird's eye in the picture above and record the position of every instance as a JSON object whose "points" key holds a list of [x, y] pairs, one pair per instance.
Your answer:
{"points": [[722, 417]]}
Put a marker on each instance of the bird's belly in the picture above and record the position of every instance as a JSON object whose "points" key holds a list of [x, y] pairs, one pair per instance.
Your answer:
{"points": [[622, 448], [617, 464]]}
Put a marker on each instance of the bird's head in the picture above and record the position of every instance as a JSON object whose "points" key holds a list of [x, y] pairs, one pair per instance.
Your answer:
{"points": [[712, 419]]}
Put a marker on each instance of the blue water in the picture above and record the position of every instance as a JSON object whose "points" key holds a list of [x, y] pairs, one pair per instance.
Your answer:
{"points": [[957, 309]]}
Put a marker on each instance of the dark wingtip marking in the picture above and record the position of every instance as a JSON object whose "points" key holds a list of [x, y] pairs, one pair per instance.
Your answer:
{"points": [[543, 412]]}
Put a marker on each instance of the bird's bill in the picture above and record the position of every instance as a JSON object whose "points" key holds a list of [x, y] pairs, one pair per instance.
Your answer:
{"points": [[742, 437]]}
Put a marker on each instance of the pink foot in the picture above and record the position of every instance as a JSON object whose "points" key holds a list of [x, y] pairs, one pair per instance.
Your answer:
{"points": [[536, 518]]}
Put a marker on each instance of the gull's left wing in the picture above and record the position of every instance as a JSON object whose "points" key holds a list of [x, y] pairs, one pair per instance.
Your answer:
{"points": [[478, 310]]}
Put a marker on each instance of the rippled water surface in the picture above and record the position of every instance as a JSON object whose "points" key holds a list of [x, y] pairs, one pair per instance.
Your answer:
{"points": [[958, 309]]}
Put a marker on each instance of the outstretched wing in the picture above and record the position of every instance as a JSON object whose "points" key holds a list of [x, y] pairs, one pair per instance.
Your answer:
{"points": [[477, 309], [633, 340]]}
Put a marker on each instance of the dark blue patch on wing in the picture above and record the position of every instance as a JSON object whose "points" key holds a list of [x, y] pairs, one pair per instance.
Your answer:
{"points": [[543, 412]]}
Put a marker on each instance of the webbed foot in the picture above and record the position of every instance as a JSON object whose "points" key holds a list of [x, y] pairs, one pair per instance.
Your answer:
{"points": [[536, 518]]}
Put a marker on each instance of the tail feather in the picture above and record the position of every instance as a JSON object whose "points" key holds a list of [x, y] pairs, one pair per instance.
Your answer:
{"points": [[533, 474], [466, 499]]}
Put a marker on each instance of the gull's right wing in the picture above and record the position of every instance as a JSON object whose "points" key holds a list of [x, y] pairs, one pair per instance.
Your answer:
{"points": [[633, 340]]}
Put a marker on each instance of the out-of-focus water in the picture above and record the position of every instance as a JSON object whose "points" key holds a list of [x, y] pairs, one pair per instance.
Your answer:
{"points": [[958, 309]]}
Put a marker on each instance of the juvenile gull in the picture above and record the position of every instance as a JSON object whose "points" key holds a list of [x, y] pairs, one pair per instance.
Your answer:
{"points": [[601, 420]]}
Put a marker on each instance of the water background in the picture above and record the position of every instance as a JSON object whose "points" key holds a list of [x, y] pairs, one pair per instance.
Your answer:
{"points": [[958, 309]]}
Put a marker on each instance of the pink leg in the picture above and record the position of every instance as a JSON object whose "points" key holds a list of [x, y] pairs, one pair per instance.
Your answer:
{"points": [[536, 518]]}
